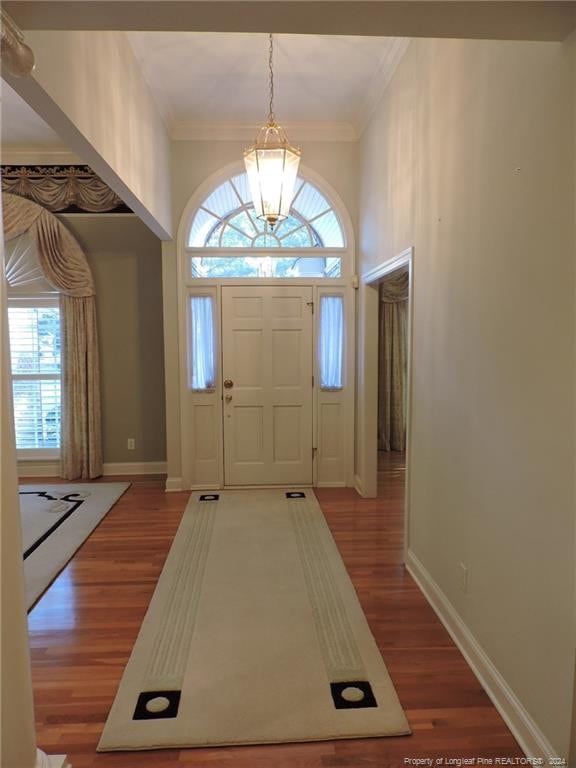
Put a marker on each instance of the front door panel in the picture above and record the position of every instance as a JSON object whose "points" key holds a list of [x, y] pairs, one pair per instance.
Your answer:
{"points": [[267, 356]]}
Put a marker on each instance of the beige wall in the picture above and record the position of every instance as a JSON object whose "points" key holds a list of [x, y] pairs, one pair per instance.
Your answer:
{"points": [[89, 88], [125, 258], [195, 161], [470, 159], [192, 163]]}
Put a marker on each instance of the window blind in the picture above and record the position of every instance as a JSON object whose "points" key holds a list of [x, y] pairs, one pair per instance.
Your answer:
{"points": [[36, 367]]}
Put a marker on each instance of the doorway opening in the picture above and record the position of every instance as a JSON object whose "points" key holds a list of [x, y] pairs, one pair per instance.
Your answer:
{"points": [[393, 315], [385, 394]]}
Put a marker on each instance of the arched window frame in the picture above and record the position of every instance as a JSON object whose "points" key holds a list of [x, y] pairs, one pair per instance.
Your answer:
{"points": [[345, 253]]}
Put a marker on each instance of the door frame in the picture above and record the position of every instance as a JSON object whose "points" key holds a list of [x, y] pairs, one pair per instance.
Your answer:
{"points": [[213, 470], [366, 480]]}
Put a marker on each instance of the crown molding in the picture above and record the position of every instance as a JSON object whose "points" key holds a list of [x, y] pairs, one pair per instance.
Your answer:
{"points": [[18, 155], [380, 81], [246, 132]]}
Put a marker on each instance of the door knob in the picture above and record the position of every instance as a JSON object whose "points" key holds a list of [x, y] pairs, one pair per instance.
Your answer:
{"points": [[228, 398], [228, 383]]}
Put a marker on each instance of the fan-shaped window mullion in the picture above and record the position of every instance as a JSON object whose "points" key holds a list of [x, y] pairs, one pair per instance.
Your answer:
{"points": [[294, 217], [237, 194], [211, 233], [246, 209], [297, 231], [258, 225], [237, 229], [315, 237], [216, 215], [293, 231], [318, 216], [300, 188]]}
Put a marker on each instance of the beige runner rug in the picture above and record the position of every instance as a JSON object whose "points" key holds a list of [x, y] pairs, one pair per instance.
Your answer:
{"points": [[254, 635]]}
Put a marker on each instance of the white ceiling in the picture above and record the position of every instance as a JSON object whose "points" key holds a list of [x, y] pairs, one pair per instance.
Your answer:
{"points": [[206, 78], [215, 85]]}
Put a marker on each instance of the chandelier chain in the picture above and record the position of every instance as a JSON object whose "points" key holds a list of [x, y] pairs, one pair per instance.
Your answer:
{"points": [[271, 116]]}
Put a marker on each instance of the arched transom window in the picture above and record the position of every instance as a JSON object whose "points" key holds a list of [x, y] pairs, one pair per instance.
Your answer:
{"points": [[226, 221]]}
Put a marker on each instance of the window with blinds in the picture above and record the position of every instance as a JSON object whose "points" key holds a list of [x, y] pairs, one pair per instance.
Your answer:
{"points": [[36, 367]]}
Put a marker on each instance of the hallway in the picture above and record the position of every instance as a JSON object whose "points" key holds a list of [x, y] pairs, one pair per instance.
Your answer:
{"points": [[83, 629]]}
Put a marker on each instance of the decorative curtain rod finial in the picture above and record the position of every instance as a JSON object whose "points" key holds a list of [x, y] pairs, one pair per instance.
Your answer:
{"points": [[17, 57]]}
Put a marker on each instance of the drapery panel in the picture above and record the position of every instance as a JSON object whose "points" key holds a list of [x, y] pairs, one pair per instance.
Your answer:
{"points": [[66, 269], [392, 362], [81, 411]]}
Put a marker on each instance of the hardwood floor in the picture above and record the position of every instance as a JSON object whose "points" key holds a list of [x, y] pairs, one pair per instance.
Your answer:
{"points": [[83, 628]]}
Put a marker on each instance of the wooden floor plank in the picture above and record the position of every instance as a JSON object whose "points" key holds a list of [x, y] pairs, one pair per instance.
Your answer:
{"points": [[83, 629]]}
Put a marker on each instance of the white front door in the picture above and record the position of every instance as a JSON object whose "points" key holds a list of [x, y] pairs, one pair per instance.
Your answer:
{"points": [[267, 372]]}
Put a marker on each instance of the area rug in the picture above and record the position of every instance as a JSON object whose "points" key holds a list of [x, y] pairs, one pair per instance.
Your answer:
{"points": [[254, 635], [56, 520]]}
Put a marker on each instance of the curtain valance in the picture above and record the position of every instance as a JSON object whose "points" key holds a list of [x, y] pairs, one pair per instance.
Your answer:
{"points": [[61, 258], [59, 187], [395, 287]]}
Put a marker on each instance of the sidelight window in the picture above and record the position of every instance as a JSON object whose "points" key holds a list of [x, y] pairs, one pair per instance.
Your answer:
{"points": [[202, 353], [331, 342]]}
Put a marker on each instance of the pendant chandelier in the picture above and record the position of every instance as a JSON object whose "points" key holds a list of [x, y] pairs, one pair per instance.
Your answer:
{"points": [[272, 164]]}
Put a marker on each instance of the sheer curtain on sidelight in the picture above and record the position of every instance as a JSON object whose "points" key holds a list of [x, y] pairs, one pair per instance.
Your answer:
{"points": [[202, 358], [331, 342]]}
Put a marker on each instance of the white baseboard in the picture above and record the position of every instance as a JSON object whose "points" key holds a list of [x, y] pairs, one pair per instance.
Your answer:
{"points": [[135, 468], [51, 761], [525, 730], [358, 485], [51, 468], [173, 484], [177, 484]]}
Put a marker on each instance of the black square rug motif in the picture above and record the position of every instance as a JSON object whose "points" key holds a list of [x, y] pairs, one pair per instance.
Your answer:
{"points": [[154, 705], [353, 695]]}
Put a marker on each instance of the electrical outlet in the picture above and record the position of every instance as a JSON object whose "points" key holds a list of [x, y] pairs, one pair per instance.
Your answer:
{"points": [[463, 578], [131, 445]]}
